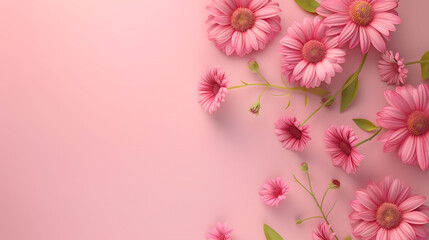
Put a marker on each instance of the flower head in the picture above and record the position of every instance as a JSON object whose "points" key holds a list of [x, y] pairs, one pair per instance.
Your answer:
{"points": [[274, 191], [309, 57], [292, 136], [220, 232], [392, 69], [387, 210], [407, 122], [255, 108], [212, 88], [304, 167], [334, 184], [363, 22], [243, 26], [323, 232], [340, 142], [253, 65]]}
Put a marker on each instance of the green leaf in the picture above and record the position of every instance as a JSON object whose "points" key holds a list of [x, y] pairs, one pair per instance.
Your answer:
{"points": [[308, 5], [270, 234], [318, 91], [349, 94], [306, 100], [425, 66], [365, 125], [348, 238]]}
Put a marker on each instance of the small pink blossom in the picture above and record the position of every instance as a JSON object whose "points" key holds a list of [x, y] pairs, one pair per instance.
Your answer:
{"points": [[212, 89], [274, 191], [323, 232], [292, 136], [220, 232], [340, 142], [392, 69]]}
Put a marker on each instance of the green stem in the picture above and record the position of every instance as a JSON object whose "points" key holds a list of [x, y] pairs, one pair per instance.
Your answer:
{"points": [[260, 75], [305, 219], [421, 61], [315, 200], [370, 138], [265, 89], [324, 195], [330, 210], [355, 75]]}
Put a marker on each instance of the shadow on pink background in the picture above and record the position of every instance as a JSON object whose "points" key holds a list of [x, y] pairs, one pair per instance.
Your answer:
{"points": [[102, 136]]}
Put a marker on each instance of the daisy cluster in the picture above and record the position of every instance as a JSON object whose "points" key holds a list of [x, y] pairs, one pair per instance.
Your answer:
{"points": [[313, 52]]}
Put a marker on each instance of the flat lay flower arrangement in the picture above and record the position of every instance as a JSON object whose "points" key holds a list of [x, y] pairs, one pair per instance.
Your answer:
{"points": [[313, 51]]}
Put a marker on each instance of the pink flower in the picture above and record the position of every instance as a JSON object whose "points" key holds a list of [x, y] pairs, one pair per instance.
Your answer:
{"points": [[323, 232], [387, 210], [407, 119], [309, 57], [392, 69], [242, 26], [212, 87], [292, 136], [274, 190], [220, 232], [340, 144], [360, 21]]}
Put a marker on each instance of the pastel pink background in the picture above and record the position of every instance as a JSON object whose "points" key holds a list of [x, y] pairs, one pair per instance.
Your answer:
{"points": [[102, 136]]}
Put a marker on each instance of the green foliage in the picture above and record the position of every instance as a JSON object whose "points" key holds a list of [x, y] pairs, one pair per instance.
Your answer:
{"points": [[308, 5], [425, 66], [365, 125], [349, 93], [270, 234]]}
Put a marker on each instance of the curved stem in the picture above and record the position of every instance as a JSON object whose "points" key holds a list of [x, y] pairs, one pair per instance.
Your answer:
{"points": [[260, 75], [324, 195], [330, 210], [370, 138], [352, 79], [421, 61], [305, 219], [265, 89]]}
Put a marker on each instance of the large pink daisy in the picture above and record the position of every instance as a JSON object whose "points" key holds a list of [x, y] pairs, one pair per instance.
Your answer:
{"points": [[323, 232], [242, 26], [309, 57], [387, 211], [292, 136], [407, 119], [340, 144], [212, 88], [363, 22]]}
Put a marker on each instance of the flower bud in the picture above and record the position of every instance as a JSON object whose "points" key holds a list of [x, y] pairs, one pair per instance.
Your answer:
{"points": [[253, 65], [299, 221], [325, 99], [334, 184], [304, 167], [255, 108]]}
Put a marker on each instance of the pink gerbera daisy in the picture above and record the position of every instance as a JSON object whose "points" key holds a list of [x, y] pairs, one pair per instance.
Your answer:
{"points": [[220, 232], [323, 232], [309, 57], [407, 119], [360, 21], [274, 190], [212, 87], [340, 144], [242, 26], [392, 69], [387, 210], [292, 136]]}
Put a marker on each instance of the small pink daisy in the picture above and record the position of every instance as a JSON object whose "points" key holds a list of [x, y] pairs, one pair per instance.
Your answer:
{"points": [[292, 136], [274, 191], [220, 232], [363, 22], [407, 122], [340, 142], [387, 210], [392, 69], [309, 57], [213, 88], [242, 26], [323, 232]]}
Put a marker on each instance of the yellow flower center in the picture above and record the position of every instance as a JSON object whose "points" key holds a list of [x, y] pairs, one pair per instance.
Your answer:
{"points": [[388, 216], [418, 123], [242, 19], [361, 13]]}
